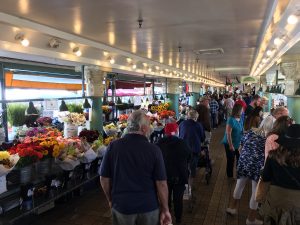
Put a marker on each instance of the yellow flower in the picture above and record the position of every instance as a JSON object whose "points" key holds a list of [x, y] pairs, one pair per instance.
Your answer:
{"points": [[45, 152], [55, 154], [56, 148], [61, 146], [4, 155]]}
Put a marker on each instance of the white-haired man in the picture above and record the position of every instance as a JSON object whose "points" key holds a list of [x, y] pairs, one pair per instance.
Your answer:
{"points": [[133, 177]]}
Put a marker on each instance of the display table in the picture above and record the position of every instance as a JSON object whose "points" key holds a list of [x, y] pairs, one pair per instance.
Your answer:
{"points": [[12, 211]]}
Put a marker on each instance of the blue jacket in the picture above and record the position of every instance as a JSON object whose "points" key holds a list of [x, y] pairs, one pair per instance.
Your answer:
{"points": [[193, 134]]}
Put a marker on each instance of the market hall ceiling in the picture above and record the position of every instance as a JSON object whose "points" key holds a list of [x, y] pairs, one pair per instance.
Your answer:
{"points": [[172, 31]]}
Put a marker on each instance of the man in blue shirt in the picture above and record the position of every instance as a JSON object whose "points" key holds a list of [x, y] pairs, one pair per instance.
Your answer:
{"points": [[193, 134], [133, 177]]}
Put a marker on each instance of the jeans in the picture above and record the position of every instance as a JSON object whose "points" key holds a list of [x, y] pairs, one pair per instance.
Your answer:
{"points": [[149, 218], [176, 191], [214, 120], [230, 155]]}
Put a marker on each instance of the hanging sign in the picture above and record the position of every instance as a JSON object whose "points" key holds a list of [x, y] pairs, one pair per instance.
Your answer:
{"points": [[248, 79]]}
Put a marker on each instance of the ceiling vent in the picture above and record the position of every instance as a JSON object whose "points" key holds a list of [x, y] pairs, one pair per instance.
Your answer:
{"points": [[211, 51]]}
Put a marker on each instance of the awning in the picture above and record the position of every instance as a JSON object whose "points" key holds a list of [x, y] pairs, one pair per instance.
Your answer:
{"points": [[130, 84]]}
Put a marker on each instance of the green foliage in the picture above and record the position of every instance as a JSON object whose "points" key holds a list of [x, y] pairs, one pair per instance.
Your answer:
{"points": [[16, 114], [76, 108]]}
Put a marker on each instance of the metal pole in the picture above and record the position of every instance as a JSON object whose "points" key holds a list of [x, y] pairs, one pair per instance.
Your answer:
{"points": [[4, 105], [82, 80], [144, 84], [153, 94]]}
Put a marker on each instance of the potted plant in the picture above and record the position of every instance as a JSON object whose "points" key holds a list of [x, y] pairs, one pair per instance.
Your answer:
{"points": [[16, 116]]}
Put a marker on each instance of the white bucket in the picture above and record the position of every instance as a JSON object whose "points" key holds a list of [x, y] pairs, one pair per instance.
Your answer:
{"points": [[70, 130]]}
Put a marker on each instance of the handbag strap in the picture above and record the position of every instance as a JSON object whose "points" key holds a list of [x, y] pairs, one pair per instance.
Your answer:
{"points": [[292, 177]]}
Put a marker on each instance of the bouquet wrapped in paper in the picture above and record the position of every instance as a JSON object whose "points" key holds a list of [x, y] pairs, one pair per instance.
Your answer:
{"points": [[110, 129], [7, 163], [99, 147], [87, 153], [68, 156]]}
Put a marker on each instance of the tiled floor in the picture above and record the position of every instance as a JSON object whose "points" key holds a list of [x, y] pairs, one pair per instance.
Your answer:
{"points": [[91, 208]]}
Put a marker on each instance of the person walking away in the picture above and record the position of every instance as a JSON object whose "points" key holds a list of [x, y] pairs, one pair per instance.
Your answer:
{"points": [[193, 134], [232, 138], [250, 163], [254, 119], [176, 154], [241, 102], [229, 103], [280, 127], [254, 103], [204, 116], [133, 177], [282, 172], [214, 107], [268, 123]]}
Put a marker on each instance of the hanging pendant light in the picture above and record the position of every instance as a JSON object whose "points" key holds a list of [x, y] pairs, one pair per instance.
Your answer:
{"points": [[63, 107], [86, 104]]}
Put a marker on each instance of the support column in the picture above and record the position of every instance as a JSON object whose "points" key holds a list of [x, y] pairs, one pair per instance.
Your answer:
{"points": [[195, 91], [173, 91], [293, 103], [291, 69], [95, 89]]}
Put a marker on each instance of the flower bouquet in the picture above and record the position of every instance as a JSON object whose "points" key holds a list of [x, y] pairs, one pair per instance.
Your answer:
{"points": [[89, 135], [68, 153], [110, 129], [7, 163], [166, 114], [123, 117], [99, 147], [44, 121]]}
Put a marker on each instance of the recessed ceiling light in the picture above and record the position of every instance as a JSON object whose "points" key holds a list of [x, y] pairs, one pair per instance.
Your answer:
{"points": [[264, 60], [150, 70], [269, 52], [129, 60], [77, 51], [105, 53], [277, 41], [20, 37], [134, 66], [292, 19], [145, 64], [111, 60], [157, 67]]}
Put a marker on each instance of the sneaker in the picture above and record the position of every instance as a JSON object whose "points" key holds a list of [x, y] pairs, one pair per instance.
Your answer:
{"points": [[231, 211], [255, 222]]}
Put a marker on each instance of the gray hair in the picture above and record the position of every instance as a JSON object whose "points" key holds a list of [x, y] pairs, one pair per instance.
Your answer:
{"points": [[192, 114], [136, 120]]}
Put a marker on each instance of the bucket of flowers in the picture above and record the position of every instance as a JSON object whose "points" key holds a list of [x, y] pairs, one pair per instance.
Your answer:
{"points": [[7, 163], [71, 123], [29, 154]]}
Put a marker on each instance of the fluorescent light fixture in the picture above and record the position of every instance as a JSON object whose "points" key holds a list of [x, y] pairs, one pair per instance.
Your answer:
{"points": [[105, 53], [129, 60]]}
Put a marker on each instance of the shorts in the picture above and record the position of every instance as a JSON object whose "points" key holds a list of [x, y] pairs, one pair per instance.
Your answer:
{"points": [[193, 164]]}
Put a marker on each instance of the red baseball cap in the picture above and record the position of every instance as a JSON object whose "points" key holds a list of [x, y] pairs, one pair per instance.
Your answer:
{"points": [[171, 129]]}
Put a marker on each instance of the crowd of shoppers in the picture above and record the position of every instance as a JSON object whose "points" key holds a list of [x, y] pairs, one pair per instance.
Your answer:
{"points": [[143, 182]]}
